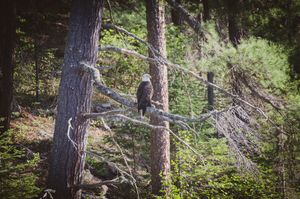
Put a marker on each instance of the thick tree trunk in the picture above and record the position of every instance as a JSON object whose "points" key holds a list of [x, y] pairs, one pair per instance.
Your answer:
{"points": [[160, 139], [176, 16], [75, 92], [7, 43]]}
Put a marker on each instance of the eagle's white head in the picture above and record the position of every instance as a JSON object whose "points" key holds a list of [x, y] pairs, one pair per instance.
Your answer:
{"points": [[146, 78]]}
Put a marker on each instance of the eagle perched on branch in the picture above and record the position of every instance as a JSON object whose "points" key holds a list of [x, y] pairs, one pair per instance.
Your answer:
{"points": [[144, 94]]}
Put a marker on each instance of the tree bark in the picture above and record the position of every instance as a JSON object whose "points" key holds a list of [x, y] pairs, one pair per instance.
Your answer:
{"points": [[210, 75], [206, 14], [176, 16], [190, 20], [7, 44], [234, 28], [234, 31], [160, 139], [75, 92], [37, 72], [210, 91]]}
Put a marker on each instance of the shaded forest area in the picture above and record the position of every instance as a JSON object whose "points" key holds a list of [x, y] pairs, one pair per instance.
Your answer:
{"points": [[225, 114]]}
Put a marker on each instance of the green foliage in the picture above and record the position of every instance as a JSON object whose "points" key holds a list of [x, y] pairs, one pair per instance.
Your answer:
{"points": [[264, 60], [17, 179], [35, 61], [260, 59], [128, 69], [216, 175]]}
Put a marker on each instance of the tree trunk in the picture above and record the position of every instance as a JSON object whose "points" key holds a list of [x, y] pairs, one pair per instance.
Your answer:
{"points": [[206, 14], [7, 43], [210, 91], [176, 16], [37, 72], [234, 31], [190, 20], [160, 139], [234, 28], [210, 75], [75, 92]]}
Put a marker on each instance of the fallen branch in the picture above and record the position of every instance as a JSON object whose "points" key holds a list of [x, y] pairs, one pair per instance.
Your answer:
{"points": [[260, 94], [98, 184]]}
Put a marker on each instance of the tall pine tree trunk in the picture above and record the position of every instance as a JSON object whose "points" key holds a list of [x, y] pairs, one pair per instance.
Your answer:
{"points": [[75, 92], [7, 43], [160, 139]]}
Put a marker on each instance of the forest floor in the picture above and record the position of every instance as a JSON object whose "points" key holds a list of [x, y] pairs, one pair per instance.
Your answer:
{"points": [[33, 130]]}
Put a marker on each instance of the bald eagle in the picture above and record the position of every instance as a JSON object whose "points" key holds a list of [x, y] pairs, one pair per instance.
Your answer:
{"points": [[144, 94]]}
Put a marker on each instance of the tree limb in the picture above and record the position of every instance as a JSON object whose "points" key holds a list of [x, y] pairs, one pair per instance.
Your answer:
{"points": [[127, 102], [195, 75], [98, 184]]}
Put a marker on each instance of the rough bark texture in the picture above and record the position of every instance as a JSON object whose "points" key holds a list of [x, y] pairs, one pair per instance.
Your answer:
{"points": [[7, 43], [160, 139], [75, 92]]}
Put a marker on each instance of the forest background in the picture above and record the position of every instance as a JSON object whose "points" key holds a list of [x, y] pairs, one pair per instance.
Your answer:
{"points": [[249, 48]]}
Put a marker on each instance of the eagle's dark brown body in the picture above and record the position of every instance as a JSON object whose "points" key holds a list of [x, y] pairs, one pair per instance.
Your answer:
{"points": [[144, 96]]}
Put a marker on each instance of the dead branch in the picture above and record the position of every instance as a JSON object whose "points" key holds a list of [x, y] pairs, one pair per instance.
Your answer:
{"points": [[127, 102], [123, 156], [127, 52], [122, 30], [201, 79], [135, 121], [260, 94], [177, 66], [74, 144], [98, 184]]}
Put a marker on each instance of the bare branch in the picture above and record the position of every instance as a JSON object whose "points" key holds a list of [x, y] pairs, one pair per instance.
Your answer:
{"points": [[121, 171], [157, 127], [127, 102], [104, 67], [127, 52], [97, 185], [260, 94], [122, 30], [201, 79], [123, 156]]}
